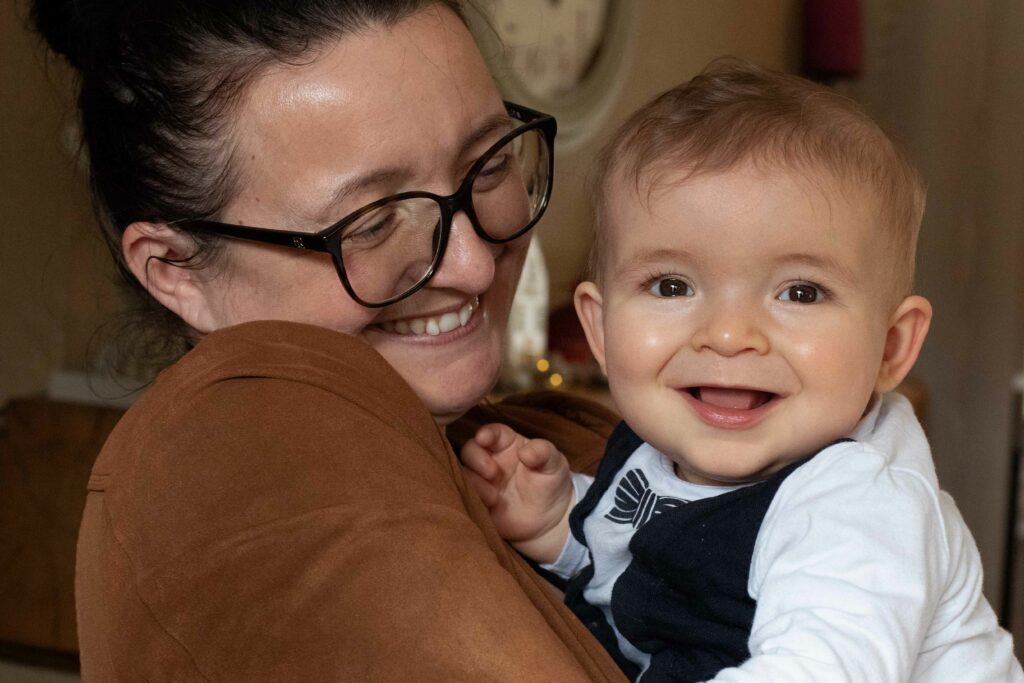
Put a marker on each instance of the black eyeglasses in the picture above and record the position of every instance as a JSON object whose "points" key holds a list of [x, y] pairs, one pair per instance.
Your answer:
{"points": [[391, 248]]}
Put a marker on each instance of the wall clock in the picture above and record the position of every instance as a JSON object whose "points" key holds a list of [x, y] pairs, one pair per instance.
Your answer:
{"points": [[564, 57]]}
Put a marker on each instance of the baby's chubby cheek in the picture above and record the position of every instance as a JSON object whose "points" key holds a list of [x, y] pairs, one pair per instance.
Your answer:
{"points": [[637, 351]]}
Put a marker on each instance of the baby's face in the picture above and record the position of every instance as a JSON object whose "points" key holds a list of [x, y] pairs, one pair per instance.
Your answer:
{"points": [[744, 318]]}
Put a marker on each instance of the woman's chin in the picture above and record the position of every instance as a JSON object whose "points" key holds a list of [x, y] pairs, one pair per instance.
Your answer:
{"points": [[452, 395], [451, 375]]}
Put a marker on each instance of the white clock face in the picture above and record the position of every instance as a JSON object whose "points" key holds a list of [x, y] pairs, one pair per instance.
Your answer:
{"points": [[552, 44]]}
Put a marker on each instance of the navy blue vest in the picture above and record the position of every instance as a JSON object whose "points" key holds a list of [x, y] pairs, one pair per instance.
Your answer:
{"points": [[684, 597]]}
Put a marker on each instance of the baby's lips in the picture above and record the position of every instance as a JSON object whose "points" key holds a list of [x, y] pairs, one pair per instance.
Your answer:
{"points": [[734, 399]]}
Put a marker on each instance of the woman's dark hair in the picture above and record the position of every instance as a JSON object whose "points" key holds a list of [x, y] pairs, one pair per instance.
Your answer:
{"points": [[157, 85]]}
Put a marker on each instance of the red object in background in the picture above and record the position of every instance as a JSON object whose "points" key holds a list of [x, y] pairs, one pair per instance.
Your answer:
{"points": [[566, 336], [833, 44]]}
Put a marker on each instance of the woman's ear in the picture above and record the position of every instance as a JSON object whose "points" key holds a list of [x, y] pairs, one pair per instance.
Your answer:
{"points": [[908, 327], [158, 257], [590, 309]]}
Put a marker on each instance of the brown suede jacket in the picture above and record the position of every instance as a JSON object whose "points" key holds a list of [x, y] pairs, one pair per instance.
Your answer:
{"points": [[281, 507]]}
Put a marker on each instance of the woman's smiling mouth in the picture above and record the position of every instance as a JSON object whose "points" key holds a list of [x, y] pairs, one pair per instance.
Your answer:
{"points": [[433, 325]]}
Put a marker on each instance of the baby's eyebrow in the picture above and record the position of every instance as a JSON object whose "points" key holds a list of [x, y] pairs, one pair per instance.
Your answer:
{"points": [[657, 255], [820, 262], [641, 261]]}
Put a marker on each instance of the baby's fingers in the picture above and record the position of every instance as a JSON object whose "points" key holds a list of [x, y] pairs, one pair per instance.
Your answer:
{"points": [[479, 461], [495, 437], [488, 493], [541, 455]]}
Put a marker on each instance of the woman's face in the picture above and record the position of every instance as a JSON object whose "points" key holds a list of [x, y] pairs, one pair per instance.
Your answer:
{"points": [[388, 110]]}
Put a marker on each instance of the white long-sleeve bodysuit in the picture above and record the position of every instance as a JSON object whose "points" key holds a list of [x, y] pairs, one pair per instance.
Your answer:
{"points": [[861, 568]]}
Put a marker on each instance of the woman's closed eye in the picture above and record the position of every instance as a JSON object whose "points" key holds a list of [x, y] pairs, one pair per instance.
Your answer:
{"points": [[493, 173], [372, 229], [665, 286]]}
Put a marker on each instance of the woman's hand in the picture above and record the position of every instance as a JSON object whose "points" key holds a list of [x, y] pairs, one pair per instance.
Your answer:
{"points": [[527, 487]]}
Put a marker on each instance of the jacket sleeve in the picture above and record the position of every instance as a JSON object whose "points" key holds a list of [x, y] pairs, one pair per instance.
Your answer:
{"points": [[848, 570], [578, 427], [281, 548]]}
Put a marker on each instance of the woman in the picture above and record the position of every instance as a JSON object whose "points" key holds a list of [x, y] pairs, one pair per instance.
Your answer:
{"points": [[334, 204]]}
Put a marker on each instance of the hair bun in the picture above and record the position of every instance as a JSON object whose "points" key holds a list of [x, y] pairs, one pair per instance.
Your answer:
{"points": [[75, 28], [54, 20]]}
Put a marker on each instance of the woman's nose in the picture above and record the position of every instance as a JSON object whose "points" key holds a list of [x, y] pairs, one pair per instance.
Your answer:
{"points": [[468, 261], [730, 330]]}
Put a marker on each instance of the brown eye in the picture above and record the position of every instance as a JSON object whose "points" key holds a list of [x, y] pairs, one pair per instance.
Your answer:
{"points": [[800, 294], [670, 287]]}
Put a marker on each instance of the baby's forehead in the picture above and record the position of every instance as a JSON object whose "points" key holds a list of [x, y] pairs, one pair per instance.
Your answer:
{"points": [[769, 211], [682, 193]]}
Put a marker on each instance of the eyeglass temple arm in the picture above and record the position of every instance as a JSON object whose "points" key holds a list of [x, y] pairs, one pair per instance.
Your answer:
{"points": [[299, 240], [522, 113]]}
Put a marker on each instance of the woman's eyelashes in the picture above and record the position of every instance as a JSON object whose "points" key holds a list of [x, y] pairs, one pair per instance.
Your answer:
{"points": [[665, 286]]}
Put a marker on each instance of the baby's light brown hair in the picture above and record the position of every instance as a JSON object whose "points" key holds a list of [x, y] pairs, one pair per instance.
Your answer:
{"points": [[735, 112]]}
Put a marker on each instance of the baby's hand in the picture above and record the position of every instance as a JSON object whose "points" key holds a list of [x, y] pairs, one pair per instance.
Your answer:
{"points": [[525, 484]]}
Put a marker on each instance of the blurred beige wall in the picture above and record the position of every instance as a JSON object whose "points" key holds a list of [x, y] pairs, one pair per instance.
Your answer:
{"points": [[948, 78], [54, 281]]}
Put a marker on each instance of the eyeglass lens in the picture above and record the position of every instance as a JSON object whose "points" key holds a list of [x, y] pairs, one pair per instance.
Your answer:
{"points": [[389, 250]]}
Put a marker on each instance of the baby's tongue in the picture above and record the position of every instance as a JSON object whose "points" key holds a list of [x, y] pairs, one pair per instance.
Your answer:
{"points": [[736, 399]]}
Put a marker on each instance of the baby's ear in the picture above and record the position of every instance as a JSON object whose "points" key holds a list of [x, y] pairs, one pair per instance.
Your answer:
{"points": [[908, 327], [590, 309]]}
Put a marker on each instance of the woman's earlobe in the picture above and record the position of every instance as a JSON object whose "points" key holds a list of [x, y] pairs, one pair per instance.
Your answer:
{"points": [[158, 256], [590, 309], [908, 328]]}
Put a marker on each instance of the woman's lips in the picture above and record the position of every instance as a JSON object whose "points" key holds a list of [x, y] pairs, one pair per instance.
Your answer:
{"points": [[729, 408], [436, 325]]}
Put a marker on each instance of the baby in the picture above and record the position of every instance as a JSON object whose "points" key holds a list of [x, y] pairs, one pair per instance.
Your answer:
{"points": [[768, 510]]}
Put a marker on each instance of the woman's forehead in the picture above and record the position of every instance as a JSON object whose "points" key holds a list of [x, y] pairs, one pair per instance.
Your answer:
{"points": [[386, 102], [424, 72]]}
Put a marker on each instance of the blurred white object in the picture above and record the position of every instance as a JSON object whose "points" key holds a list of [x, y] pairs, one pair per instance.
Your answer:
{"points": [[527, 336]]}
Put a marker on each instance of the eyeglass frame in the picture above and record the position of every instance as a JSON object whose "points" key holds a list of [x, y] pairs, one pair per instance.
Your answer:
{"points": [[328, 240]]}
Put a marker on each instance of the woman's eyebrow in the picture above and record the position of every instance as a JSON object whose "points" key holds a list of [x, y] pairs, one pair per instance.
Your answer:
{"points": [[379, 177], [498, 122], [395, 175]]}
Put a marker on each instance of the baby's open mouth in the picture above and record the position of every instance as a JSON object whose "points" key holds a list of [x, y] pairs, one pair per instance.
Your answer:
{"points": [[733, 399]]}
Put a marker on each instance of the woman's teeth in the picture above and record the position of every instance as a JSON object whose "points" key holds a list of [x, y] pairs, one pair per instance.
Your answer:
{"points": [[436, 325]]}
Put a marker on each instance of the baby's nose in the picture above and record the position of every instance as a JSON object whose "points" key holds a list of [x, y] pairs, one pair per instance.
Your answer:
{"points": [[731, 330]]}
